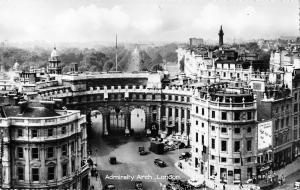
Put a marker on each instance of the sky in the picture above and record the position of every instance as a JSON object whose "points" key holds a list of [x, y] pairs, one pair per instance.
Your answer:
{"points": [[145, 20]]}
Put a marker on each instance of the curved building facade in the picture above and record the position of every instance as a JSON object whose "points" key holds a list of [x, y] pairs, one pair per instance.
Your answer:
{"points": [[223, 128], [43, 148]]}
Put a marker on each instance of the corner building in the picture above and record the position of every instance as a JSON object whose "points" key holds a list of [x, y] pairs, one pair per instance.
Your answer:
{"points": [[43, 148], [223, 132]]}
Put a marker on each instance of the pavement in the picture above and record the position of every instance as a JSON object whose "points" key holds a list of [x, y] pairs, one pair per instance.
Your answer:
{"points": [[289, 181], [188, 170]]}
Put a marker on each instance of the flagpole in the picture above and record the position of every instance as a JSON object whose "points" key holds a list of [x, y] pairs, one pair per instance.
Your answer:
{"points": [[116, 52]]}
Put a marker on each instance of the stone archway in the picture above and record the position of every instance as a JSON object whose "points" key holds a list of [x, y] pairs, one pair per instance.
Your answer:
{"points": [[138, 120]]}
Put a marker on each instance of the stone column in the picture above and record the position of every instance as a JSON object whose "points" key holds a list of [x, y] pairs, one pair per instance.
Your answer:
{"points": [[185, 120], [105, 123], [179, 120], [127, 123], [148, 119], [167, 116], [173, 119], [159, 117]]}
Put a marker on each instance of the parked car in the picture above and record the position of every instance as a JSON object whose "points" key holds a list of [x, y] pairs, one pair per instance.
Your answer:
{"points": [[142, 153], [160, 163], [185, 185], [196, 183], [297, 184], [185, 155], [138, 185], [109, 187], [113, 160]]}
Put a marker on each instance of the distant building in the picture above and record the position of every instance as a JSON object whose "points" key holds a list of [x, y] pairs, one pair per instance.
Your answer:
{"points": [[196, 42], [54, 63]]}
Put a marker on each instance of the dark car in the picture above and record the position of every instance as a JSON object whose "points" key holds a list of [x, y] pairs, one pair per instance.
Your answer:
{"points": [[109, 187], [113, 160], [142, 153], [138, 185], [160, 163], [185, 155]]}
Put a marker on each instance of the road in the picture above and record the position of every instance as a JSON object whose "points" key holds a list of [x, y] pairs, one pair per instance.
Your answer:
{"points": [[130, 163]]}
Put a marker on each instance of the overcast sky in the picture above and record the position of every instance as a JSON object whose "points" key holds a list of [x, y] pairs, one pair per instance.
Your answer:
{"points": [[145, 20]]}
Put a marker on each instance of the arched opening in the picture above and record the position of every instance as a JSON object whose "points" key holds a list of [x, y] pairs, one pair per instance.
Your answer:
{"points": [[138, 120], [97, 122], [116, 121]]}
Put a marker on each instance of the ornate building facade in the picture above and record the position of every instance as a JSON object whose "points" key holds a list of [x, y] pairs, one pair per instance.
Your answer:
{"points": [[43, 148]]}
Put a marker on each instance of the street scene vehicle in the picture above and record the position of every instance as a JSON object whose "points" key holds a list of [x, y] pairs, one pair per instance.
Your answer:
{"points": [[113, 160], [109, 187], [160, 163], [138, 185], [184, 155], [196, 183]]}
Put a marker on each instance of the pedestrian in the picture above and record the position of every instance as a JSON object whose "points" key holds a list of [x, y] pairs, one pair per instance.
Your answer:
{"points": [[223, 186], [96, 175], [241, 185]]}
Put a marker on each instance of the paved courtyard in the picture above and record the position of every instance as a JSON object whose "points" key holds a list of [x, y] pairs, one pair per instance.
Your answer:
{"points": [[131, 166]]}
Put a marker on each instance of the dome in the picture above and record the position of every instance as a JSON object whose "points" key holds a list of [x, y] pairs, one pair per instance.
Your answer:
{"points": [[54, 53]]}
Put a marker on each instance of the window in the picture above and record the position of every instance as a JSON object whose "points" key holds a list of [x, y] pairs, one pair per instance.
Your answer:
{"points": [[64, 150], [51, 172], [202, 139], [249, 115], [20, 152], [249, 144], [236, 160], [237, 116], [188, 99], [213, 128], [73, 146], [196, 122], [212, 157], [295, 120], [20, 132], [202, 125], [63, 130], [223, 159], [295, 96], [196, 137], [276, 124], [50, 132], [223, 130], [223, 145], [64, 169], [287, 121], [237, 130], [73, 165], [213, 114], [34, 133], [196, 150], [296, 107], [196, 109], [237, 146], [50, 152], [249, 130], [249, 159], [213, 143], [35, 174], [224, 116], [35, 153], [202, 111], [72, 127], [20, 173]]}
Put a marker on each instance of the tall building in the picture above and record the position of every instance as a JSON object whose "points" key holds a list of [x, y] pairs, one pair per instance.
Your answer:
{"points": [[223, 132], [221, 34], [43, 148]]}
